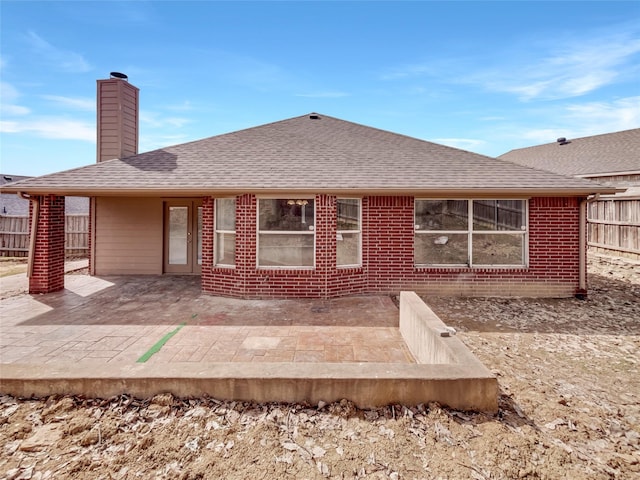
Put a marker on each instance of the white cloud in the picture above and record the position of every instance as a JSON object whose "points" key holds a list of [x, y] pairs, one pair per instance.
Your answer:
{"points": [[153, 142], [583, 66], [322, 95], [177, 122], [87, 104], [8, 96], [573, 120], [58, 58], [185, 106], [14, 110], [253, 73], [538, 136], [8, 93], [604, 117], [409, 71], [546, 69], [157, 120], [23, 121], [52, 127], [490, 118]]}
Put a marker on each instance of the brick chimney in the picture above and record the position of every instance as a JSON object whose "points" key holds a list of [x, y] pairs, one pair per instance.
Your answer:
{"points": [[117, 107]]}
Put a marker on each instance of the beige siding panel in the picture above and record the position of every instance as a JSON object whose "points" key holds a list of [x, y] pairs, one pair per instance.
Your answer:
{"points": [[129, 236], [109, 99], [117, 119]]}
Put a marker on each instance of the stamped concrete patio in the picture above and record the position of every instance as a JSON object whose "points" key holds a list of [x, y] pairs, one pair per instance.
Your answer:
{"points": [[143, 335], [119, 319]]}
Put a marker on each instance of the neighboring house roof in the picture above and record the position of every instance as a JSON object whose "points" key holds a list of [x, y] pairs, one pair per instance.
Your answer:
{"points": [[5, 179], [307, 154], [12, 204], [632, 193], [609, 153]]}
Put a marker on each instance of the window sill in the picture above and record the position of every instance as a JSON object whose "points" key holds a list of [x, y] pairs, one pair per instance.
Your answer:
{"points": [[285, 269], [475, 268]]}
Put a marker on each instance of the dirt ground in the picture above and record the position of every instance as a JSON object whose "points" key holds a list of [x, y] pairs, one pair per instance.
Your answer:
{"points": [[12, 265], [569, 409]]}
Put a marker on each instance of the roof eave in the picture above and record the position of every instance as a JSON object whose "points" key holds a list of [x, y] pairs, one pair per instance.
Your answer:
{"points": [[195, 192], [608, 174]]}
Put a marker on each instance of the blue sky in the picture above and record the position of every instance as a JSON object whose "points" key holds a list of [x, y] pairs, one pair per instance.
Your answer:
{"points": [[482, 76]]}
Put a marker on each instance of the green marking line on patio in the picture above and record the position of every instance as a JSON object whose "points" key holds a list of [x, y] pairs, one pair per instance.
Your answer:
{"points": [[156, 348]]}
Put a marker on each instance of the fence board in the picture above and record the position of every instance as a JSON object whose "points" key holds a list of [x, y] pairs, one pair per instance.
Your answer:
{"points": [[14, 235], [76, 234], [615, 225]]}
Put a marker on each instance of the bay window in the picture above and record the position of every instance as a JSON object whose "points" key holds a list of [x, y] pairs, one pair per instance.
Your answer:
{"points": [[470, 232], [286, 232], [348, 237], [225, 231]]}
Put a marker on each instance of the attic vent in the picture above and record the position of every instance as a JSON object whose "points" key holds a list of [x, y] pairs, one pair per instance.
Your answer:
{"points": [[314, 116], [119, 75], [562, 141]]}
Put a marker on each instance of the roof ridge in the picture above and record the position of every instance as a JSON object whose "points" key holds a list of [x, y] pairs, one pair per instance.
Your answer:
{"points": [[403, 135], [224, 134], [575, 139]]}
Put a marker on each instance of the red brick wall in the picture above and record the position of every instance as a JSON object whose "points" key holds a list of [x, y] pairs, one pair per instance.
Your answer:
{"points": [[387, 254], [553, 257], [388, 242], [48, 259], [554, 241]]}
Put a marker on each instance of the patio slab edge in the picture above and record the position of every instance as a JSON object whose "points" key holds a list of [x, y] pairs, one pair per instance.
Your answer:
{"points": [[368, 385]]}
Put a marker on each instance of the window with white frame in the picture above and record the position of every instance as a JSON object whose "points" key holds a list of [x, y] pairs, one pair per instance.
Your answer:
{"points": [[286, 232], [470, 233], [349, 234], [225, 228]]}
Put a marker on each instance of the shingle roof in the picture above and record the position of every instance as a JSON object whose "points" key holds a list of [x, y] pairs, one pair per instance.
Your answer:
{"points": [[606, 153], [4, 178], [12, 204], [325, 154]]}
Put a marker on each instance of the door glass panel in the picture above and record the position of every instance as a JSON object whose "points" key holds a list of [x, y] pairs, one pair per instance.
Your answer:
{"points": [[178, 235], [199, 236]]}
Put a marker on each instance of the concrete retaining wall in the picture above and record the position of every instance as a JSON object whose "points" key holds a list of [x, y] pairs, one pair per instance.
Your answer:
{"points": [[366, 384], [427, 337]]}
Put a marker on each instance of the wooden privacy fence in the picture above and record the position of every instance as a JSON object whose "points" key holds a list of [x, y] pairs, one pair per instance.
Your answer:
{"points": [[14, 235], [492, 214], [615, 225]]}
